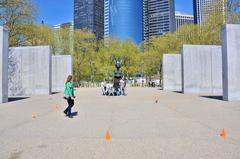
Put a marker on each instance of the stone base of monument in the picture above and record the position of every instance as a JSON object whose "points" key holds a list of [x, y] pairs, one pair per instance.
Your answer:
{"points": [[3, 65], [116, 81], [231, 62]]}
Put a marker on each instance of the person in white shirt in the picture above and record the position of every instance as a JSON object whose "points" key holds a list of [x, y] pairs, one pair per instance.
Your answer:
{"points": [[103, 87], [109, 87], [122, 86]]}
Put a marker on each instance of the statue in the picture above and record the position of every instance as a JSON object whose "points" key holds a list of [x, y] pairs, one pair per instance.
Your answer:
{"points": [[118, 65], [117, 73], [233, 11]]}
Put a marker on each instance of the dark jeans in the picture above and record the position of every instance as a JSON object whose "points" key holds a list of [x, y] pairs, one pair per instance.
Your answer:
{"points": [[70, 102]]}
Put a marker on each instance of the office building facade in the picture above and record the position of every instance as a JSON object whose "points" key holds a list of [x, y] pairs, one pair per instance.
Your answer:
{"points": [[183, 19], [89, 14], [202, 9], [158, 17], [123, 20]]}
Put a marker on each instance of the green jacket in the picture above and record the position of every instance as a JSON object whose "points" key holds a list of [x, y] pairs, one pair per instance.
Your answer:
{"points": [[69, 90]]}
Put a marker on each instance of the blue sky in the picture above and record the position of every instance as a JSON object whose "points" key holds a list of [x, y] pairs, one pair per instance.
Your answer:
{"points": [[61, 11]]}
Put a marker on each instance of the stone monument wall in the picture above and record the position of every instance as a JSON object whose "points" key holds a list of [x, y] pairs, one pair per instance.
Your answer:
{"points": [[172, 72], [29, 71], [231, 62], [61, 68], [202, 69], [3, 65]]}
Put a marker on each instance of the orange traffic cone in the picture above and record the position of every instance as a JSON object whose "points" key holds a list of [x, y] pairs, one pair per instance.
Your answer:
{"points": [[223, 134], [108, 137]]}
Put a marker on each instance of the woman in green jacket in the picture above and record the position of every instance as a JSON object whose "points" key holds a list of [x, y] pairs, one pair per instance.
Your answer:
{"points": [[69, 96]]}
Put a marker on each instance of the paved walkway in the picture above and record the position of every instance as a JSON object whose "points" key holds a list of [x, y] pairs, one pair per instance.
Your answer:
{"points": [[177, 127]]}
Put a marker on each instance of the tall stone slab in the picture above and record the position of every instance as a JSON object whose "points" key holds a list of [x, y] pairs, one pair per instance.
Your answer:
{"points": [[3, 65], [231, 62], [29, 71], [61, 68], [202, 69], [172, 72]]}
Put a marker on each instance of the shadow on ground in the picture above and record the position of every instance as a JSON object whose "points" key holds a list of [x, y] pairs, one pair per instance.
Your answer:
{"points": [[74, 113], [55, 93], [13, 99], [180, 92], [214, 97]]}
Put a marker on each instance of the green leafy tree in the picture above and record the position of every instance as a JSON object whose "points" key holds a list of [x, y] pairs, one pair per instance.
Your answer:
{"points": [[35, 35], [84, 55], [64, 40], [14, 14]]}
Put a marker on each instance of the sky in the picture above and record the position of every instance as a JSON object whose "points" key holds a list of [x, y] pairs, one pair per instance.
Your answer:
{"points": [[54, 12]]}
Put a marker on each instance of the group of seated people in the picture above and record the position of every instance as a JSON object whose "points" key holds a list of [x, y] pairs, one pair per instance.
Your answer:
{"points": [[108, 88]]}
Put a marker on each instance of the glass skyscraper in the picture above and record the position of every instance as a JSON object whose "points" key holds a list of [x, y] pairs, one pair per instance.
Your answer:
{"points": [[89, 14], [158, 17], [202, 9], [123, 20]]}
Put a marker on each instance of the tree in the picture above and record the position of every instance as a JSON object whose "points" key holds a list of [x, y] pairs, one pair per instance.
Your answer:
{"points": [[233, 11], [130, 53], [105, 54], [208, 33], [84, 56], [35, 35], [14, 14], [64, 40]]}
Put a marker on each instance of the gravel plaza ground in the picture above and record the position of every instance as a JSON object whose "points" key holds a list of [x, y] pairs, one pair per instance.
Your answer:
{"points": [[177, 126]]}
